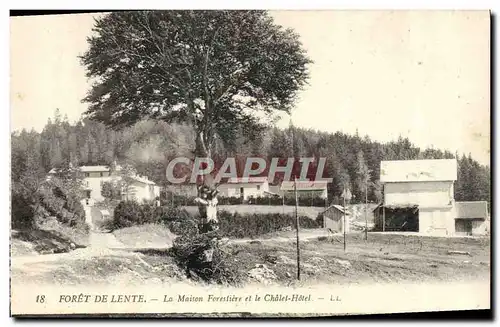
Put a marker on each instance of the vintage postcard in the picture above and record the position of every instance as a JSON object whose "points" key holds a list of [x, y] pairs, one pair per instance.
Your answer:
{"points": [[250, 163]]}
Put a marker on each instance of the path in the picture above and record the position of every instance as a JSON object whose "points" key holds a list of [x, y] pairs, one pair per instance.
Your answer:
{"points": [[304, 235]]}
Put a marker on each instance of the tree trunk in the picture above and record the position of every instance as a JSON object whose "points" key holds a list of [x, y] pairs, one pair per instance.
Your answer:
{"points": [[207, 197]]}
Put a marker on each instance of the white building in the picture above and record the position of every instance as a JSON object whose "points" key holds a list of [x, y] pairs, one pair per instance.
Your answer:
{"points": [[93, 177], [245, 187], [140, 187], [306, 188], [419, 196]]}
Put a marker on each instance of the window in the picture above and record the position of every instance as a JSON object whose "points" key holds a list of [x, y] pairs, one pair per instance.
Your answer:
{"points": [[258, 187], [102, 174], [87, 174]]}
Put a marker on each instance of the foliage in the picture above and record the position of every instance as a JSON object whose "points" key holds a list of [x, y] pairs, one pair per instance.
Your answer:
{"points": [[229, 200], [131, 213], [188, 250], [178, 221], [212, 69], [252, 225], [55, 198], [320, 220], [111, 191], [149, 146], [128, 214]]}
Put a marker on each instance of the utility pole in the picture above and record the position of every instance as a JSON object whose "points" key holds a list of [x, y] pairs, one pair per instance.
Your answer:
{"points": [[366, 211], [343, 225], [346, 196], [297, 227], [367, 181], [383, 208]]}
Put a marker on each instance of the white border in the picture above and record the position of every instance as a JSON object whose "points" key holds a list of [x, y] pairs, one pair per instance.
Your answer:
{"points": [[494, 5]]}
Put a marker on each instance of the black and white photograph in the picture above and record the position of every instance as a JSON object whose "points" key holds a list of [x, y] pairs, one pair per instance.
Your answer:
{"points": [[250, 163]]}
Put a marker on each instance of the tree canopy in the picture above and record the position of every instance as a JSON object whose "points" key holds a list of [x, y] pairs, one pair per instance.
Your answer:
{"points": [[216, 70]]}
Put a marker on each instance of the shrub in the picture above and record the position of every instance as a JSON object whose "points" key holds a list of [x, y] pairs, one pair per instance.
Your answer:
{"points": [[150, 213], [54, 198], [179, 221], [22, 212], [128, 214], [252, 225], [168, 214], [175, 200], [305, 201], [229, 200], [268, 200], [188, 253], [111, 190], [320, 220]]}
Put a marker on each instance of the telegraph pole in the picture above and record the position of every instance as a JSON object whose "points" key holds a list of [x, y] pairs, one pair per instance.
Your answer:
{"points": [[298, 227], [346, 195], [366, 211], [343, 225]]}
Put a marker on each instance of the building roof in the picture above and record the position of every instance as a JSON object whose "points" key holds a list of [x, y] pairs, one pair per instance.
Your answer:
{"points": [[142, 179], [105, 212], [338, 207], [304, 185], [471, 209], [247, 180], [418, 170], [91, 169]]}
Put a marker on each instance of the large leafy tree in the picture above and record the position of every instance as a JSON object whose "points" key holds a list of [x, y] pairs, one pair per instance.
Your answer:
{"points": [[216, 70]]}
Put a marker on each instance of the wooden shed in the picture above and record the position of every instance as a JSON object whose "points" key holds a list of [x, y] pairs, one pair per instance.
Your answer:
{"points": [[333, 218], [471, 218]]}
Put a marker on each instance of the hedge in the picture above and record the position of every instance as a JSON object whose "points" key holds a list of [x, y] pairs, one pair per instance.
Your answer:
{"points": [[182, 200], [180, 222], [251, 225]]}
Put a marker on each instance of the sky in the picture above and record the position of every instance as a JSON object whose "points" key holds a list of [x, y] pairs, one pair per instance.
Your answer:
{"points": [[419, 74]]}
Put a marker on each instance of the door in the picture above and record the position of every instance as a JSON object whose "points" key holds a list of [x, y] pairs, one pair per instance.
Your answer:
{"points": [[468, 227], [242, 192], [463, 227]]}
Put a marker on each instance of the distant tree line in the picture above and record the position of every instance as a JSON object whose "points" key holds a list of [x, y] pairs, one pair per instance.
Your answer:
{"points": [[351, 160]]}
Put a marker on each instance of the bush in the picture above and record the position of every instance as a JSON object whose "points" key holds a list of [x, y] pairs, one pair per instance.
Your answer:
{"points": [[252, 225], [22, 212], [267, 200], [188, 252], [128, 214], [175, 200], [179, 221], [305, 201], [150, 213], [229, 200], [54, 198], [111, 191], [320, 220]]}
